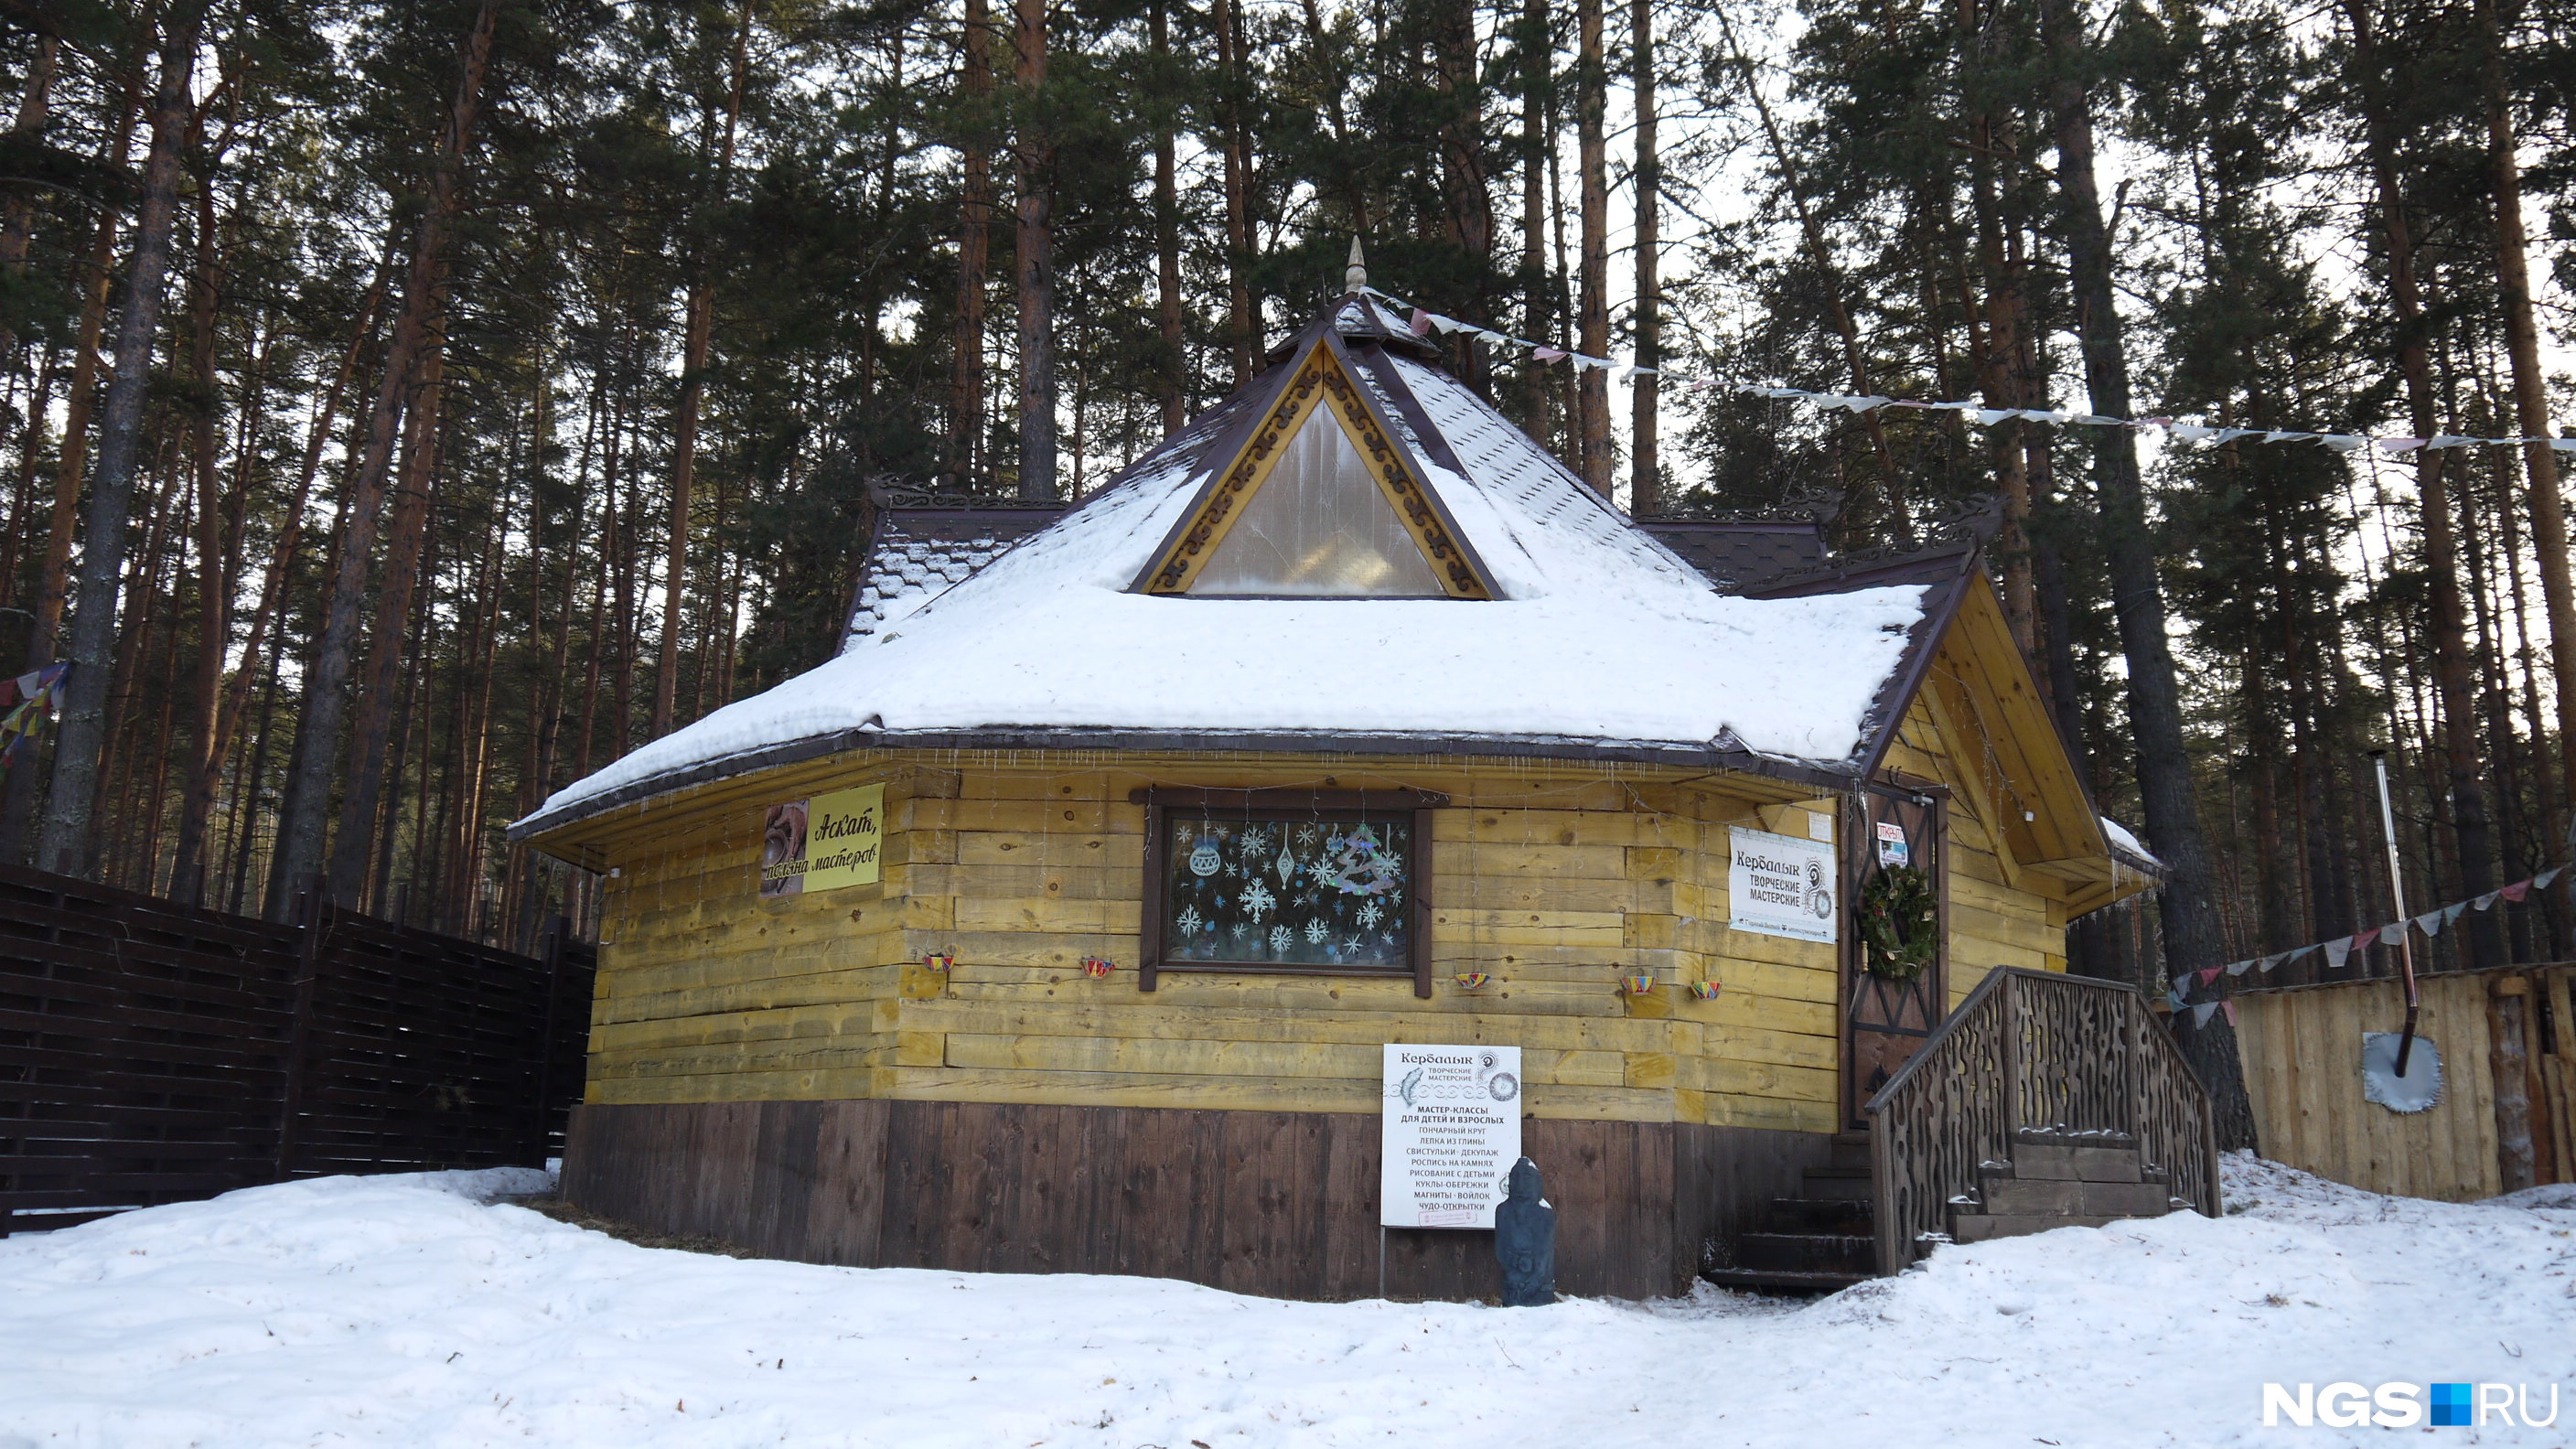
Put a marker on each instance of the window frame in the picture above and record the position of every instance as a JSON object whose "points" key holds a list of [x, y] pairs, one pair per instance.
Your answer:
{"points": [[1161, 802]]}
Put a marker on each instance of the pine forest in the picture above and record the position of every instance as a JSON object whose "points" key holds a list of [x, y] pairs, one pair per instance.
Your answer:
{"points": [[406, 409]]}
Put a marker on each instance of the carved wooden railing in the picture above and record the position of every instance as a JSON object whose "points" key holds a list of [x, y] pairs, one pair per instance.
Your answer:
{"points": [[2030, 1051]]}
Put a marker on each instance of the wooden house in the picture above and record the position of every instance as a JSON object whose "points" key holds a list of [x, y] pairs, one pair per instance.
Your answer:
{"points": [[1060, 920]]}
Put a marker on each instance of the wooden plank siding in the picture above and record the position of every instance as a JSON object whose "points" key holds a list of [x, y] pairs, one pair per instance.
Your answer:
{"points": [[1269, 1202], [1553, 877], [2302, 1058]]}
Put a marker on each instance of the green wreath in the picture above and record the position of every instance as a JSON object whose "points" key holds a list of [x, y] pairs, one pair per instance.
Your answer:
{"points": [[1900, 923]]}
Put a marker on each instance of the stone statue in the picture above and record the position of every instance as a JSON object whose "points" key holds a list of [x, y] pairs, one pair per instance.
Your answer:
{"points": [[1525, 1240]]}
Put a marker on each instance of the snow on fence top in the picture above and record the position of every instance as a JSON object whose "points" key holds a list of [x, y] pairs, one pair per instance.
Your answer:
{"points": [[1599, 633]]}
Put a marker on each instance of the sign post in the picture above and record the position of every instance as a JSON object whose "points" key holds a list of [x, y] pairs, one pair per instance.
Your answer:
{"points": [[1450, 1131]]}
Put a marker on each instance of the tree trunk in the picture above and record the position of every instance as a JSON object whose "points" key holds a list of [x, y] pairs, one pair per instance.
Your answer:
{"points": [[974, 247], [415, 492], [621, 578], [198, 807], [1645, 488], [214, 579], [693, 388], [2469, 819], [54, 590], [2530, 387], [246, 802], [306, 809], [66, 845], [17, 211], [1467, 189], [22, 500], [1999, 363], [1592, 325], [2188, 906], [1170, 368], [1538, 56], [1035, 261], [1242, 329]]}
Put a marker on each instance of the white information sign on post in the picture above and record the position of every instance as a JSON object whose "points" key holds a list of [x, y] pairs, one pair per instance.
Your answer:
{"points": [[1450, 1132], [1779, 885]]}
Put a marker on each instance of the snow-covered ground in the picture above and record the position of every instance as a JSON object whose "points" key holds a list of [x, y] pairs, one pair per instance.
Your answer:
{"points": [[411, 1311]]}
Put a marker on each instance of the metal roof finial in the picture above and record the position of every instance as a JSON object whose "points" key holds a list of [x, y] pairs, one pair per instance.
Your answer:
{"points": [[1355, 276]]}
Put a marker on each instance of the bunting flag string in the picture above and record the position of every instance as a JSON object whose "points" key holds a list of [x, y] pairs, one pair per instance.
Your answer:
{"points": [[2339, 950], [1423, 322], [26, 702]]}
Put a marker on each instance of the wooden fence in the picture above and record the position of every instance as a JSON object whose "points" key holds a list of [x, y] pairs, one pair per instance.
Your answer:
{"points": [[152, 1052], [2301, 1048]]}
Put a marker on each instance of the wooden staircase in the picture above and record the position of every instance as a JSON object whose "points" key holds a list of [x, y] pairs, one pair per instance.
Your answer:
{"points": [[2045, 1101], [1821, 1241]]}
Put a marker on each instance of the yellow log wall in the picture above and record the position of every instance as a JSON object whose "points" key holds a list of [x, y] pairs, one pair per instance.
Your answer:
{"points": [[1550, 876]]}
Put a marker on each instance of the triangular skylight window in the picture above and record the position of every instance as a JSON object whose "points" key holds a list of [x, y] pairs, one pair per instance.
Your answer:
{"points": [[1318, 526], [1318, 502]]}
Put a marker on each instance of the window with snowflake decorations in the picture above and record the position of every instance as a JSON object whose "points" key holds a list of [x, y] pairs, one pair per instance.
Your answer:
{"points": [[1288, 891]]}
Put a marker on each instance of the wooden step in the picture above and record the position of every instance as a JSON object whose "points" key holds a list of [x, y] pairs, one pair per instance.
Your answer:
{"points": [[1837, 1184], [1807, 1252], [2117, 1199], [1851, 1149], [1757, 1280], [1819, 1215], [2066, 1163], [1967, 1227]]}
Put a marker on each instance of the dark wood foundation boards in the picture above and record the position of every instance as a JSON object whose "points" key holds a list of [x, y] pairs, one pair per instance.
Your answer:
{"points": [[1281, 1204]]}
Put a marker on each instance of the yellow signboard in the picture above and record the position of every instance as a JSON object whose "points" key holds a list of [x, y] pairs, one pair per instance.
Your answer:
{"points": [[844, 833], [824, 843]]}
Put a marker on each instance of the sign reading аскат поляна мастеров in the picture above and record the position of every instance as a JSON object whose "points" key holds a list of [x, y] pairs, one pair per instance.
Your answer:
{"points": [[1451, 1130], [824, 843]]}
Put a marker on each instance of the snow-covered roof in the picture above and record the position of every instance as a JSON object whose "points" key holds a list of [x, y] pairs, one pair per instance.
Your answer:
{"points": [[1599, 640], [919, 553], [1742, 556], [2123, 843]]}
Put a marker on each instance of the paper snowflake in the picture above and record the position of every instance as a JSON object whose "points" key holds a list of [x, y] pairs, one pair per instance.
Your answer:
{"points": [[1315, 932], [1370, 915], [1257, 900], [1189, 920], [1279, 938]]}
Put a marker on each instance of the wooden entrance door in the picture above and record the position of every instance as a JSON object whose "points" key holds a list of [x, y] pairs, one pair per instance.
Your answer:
{"points": [[1885, 1021]]}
